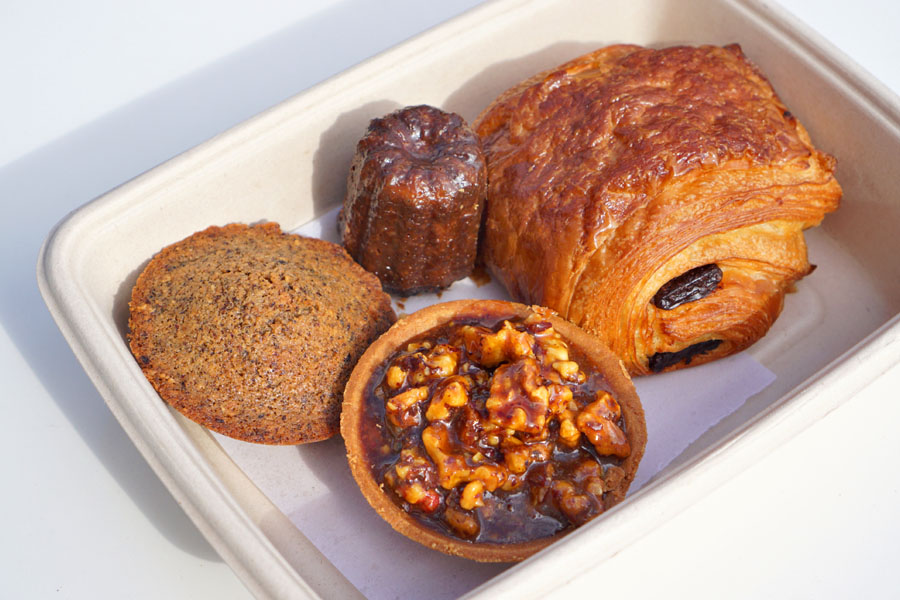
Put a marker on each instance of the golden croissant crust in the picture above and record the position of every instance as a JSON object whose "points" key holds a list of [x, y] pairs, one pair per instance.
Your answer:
{"points": [[623, 169]]}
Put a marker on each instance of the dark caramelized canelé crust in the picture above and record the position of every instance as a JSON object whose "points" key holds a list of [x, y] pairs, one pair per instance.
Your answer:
{"points": [[626, 168], [414, 200], [496, 430]]}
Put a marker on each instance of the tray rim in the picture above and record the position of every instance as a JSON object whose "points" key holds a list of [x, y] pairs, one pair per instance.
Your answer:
{"points": [[237, 535]]}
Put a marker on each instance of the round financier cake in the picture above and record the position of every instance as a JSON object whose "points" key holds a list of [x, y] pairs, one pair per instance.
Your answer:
{"points": [[253, 333]]}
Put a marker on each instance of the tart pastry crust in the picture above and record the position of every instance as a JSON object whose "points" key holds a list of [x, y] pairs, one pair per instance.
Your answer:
{"points": [[362, 427]]}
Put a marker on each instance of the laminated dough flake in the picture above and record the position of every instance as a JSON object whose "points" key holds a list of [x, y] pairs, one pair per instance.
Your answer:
{"points": [[656, 198]]}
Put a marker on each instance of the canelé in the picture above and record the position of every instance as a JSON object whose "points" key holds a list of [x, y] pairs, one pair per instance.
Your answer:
{"points": [[415, 195]]}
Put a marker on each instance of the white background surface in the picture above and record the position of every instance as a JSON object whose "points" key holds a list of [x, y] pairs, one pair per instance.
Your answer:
{"points": [[96, 92]]}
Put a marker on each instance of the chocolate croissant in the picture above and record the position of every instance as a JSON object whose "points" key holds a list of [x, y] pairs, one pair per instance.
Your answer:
{"points": [[656, 198]]}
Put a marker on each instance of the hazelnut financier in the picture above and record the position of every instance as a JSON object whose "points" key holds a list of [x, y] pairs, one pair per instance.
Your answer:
{"points": [[252, 332]]}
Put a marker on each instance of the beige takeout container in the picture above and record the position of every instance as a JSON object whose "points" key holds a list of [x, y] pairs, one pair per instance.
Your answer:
{"points": [[837, 333]]}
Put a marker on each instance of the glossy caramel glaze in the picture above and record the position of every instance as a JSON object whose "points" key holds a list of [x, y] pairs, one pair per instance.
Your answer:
{"points": [[623, 169], [453, 446], [414, 200]]}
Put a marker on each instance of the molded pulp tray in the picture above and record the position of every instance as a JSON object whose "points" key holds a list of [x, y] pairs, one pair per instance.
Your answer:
{"points": [[289, 165]]}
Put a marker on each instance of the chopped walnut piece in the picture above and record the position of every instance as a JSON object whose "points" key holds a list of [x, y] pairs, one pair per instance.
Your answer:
{"points": [[413, 478], [414, 493], [414, 365], [554, 348], [517, 400], [475, 432], [464, 523], [568, 370], [595, 486], [453, 394], [569, 433], [441, 361], [578, 507], [519, 457], [489, 349], [472, 495], [560, 398], [598, 422], [539, 479], [402, 410], [586, 469], [424, 365], [589, 475], [452, 469], [395, 377], [419, 346]]}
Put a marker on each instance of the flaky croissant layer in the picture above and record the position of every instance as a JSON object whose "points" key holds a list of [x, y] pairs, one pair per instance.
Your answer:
{"points": [[625, 169]]}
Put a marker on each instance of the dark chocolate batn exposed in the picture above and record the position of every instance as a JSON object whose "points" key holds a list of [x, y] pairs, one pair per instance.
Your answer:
{"points": [[693, 285]]}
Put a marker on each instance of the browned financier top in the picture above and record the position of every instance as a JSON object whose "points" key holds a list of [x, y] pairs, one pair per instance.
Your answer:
{"points": [[253, 333]]}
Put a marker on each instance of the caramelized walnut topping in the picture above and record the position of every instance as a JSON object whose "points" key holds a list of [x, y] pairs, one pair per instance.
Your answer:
{"points": [[598, 422], [518, 401], [482, 418], [463, 522], [413, 479], [402, 409], [454, 394]]}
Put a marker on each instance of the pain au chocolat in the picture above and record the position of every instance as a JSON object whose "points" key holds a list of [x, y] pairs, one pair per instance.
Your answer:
{"points": [[488, 429], [656, 198]]}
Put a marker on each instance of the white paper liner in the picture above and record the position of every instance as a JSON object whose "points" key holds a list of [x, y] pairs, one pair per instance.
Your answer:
{"points": [[313, 486]]}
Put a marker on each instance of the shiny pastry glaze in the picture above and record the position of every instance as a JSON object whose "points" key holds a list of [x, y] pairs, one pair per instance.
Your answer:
{"points": [[415, 196], [495, 431], [615, 173]]}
